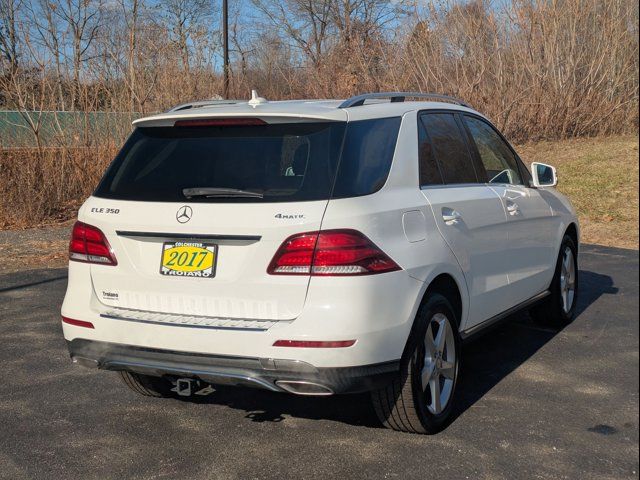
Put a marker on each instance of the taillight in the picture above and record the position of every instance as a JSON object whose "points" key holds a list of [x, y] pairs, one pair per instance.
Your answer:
{"points": [[88, 244], [330, 252]]}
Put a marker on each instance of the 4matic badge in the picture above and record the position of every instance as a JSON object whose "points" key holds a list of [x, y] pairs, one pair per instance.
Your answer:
{"points": [[285, 216]]}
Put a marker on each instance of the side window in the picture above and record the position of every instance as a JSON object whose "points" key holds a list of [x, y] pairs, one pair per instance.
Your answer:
{"points": [[498, 159], [447, 149]]}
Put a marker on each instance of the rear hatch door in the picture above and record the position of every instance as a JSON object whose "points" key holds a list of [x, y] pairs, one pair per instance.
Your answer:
{"points": [[195, 213]]}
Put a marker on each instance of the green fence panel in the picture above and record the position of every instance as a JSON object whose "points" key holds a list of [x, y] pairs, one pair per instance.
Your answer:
{"points": [[56, 129]]}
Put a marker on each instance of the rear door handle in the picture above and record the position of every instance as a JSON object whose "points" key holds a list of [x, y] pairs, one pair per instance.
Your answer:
{"points": [[450, 216]]}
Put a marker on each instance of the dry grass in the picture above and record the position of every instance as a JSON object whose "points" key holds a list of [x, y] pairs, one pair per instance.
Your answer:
{"points": [[600, 176], [48, 186]]}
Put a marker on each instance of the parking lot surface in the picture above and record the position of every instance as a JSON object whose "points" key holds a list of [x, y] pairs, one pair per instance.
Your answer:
{"points": [[536, 404]]}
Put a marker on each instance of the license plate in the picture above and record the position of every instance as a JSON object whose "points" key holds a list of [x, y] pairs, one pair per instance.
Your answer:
{"points": [[189, 259]]}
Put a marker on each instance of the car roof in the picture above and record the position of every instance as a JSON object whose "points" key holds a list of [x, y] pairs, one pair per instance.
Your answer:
{"points": [[294, 110]]}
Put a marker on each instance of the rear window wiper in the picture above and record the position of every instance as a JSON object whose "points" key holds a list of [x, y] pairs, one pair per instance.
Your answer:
{"points": [[213, 192]]}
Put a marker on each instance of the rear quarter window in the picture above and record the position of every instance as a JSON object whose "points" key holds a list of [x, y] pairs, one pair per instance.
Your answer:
{"points": [[367, 154]]}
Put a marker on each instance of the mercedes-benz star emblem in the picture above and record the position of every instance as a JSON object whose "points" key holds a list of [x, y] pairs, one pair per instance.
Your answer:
{"points": [[184, 214]]}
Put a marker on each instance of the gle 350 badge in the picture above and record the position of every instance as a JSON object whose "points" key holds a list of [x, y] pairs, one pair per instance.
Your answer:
{"points": [[189, 259]]}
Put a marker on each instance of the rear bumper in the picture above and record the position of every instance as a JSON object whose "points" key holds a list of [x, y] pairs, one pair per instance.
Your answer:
{"points": [[267, 373], [376, 311]]}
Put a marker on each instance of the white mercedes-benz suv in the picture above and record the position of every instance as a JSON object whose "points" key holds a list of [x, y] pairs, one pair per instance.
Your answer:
{"points": [[317, 248]]}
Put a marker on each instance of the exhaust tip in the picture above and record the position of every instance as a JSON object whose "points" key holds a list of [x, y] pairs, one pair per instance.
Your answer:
{"points": [[85, 362], [302, 387]]}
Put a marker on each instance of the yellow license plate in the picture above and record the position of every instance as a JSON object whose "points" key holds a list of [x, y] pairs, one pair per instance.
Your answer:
{"points": [[189, 259]]}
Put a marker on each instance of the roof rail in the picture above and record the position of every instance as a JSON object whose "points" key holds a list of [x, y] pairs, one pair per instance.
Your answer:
{"points": [[202, 103], [359, 100]]}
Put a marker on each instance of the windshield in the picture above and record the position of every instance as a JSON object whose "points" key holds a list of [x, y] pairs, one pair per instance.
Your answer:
{"points": [[259, 163]]}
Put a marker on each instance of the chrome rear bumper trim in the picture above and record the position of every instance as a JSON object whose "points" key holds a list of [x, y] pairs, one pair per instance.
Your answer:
{"points": [[190, 236], [188, 321]]}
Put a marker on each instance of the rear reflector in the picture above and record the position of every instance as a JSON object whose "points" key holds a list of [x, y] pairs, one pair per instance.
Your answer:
{"points": [[77, 323], [220, 122], [314, 343], [89, 245], [330, 253]]}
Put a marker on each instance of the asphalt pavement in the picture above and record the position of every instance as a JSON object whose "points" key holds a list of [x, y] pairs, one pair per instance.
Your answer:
{"points": [[536, 403]]}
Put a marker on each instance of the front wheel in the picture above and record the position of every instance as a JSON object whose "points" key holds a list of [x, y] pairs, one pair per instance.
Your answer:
{"points": [[420, 398], [559, 308]]}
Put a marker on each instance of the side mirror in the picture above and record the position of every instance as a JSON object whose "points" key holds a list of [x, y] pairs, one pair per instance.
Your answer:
{"points": [[543, 175]]}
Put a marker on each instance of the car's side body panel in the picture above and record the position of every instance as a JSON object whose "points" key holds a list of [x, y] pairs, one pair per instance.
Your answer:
{"points": [[478, 240], [529, 254]]}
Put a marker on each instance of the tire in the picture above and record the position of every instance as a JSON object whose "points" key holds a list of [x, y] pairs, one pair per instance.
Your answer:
{"points": [[404, 405], [147, 385], [554, 311]]}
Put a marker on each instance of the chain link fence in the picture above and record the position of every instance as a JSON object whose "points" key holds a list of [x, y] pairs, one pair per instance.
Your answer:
{"points": [[56, 129]]}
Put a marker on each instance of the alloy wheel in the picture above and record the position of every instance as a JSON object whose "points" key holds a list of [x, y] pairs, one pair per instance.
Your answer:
{"points": [[440, 365], [567, 280]]}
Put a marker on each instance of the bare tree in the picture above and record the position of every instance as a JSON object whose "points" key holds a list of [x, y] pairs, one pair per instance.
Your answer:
{"points": [[9, 41], [187, 21], [305, 23]]}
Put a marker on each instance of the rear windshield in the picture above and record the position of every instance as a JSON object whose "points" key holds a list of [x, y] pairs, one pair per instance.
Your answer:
{"points": [[280, 162]]}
